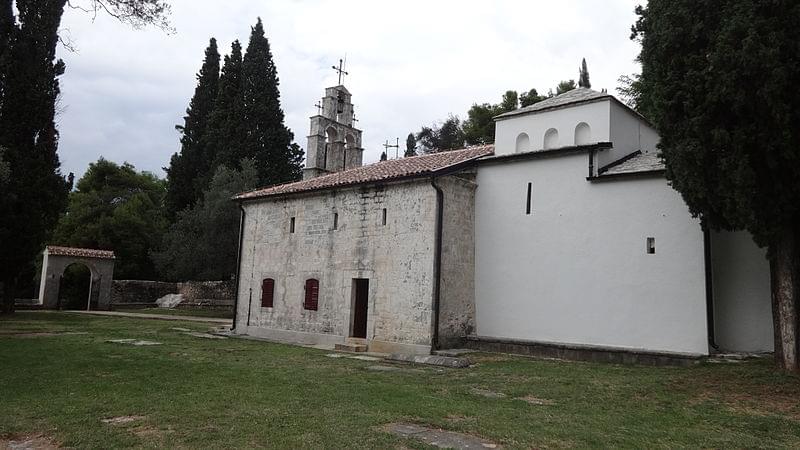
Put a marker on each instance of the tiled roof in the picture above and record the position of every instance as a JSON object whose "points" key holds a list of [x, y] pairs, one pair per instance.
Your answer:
{"points": [[638, 163], [79, 252], [414, 166], [577, 95]]}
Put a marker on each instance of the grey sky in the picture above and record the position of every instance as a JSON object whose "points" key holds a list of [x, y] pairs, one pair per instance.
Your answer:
{"points": [[411, 63]]}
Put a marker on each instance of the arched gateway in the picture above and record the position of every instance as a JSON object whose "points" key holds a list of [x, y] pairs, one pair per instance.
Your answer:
{"points": [[56, 260]]}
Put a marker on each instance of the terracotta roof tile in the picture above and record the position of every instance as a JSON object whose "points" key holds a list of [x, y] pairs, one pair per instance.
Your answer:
{"points": [[414, 166], [79, 252]]}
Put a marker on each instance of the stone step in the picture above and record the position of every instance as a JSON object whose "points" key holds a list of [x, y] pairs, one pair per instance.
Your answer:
{"points": [[356, 341], [352, 348]]}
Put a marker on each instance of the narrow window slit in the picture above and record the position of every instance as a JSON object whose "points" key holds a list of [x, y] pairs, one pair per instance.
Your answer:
{"points": [[528, 202], [291, 225], [383, 222], [335, 221]]}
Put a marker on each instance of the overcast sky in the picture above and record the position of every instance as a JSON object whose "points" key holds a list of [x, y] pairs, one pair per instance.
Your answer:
{"points": [[410, 62]]}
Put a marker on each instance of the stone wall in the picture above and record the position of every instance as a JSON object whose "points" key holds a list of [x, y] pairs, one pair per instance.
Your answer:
{"points": [[396, 257], [457, 289], [196, 293]]}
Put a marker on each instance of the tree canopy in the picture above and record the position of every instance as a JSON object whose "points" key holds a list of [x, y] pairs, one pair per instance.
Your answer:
{"points": [[203, 242], [719, 80], [478, 128], [116, 208], [185, 167]]}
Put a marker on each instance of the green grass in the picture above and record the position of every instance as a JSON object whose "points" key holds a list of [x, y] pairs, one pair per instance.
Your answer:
{"points": [[196, 312], [199, 393]]}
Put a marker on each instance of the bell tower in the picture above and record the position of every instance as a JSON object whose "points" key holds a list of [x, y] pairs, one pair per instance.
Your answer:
{"points": [[334, 144]]}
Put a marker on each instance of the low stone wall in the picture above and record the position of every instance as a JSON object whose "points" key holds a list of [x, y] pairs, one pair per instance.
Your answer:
{"points": [[196, 293]]}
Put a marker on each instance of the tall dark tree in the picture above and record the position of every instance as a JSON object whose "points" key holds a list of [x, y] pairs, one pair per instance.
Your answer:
{"points": [[722, 77], [184, 167], [583, 76], [115, 207], [411, 145], [36, 192], [224, 137], [267, 139]]}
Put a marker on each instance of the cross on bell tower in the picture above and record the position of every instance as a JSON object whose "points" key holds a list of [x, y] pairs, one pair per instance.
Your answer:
{"points": [[340, 70], [334, 144]]}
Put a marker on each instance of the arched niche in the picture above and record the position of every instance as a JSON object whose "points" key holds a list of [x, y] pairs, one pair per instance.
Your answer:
{"points": [[551, 138], [57, 259], [583, 134], [523, 143]]}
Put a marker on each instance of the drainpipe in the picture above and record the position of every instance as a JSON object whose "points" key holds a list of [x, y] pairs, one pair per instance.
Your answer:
{"points": [[437, 261], [238, 266], [712, 340]]}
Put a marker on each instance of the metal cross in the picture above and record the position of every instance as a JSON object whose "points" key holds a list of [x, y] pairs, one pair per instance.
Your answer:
{"points": [[340, 70], [319, 109], [356, 120], [396, 147]]}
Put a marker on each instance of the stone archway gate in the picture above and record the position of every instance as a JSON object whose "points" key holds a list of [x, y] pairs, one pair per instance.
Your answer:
{"points": [[57, 259]]}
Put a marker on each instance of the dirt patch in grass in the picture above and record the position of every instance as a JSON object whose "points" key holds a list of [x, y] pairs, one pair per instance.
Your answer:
{"points": [[27, 442], [119, 420], [740, 395], [437, 437], [536, 401]]}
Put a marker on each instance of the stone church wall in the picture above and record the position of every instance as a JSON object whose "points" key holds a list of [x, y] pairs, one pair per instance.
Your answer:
{"points": [[396, 257], [457, 302]]}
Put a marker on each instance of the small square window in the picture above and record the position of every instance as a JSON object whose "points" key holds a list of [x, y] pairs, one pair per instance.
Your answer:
{"points": [[651, 246], [291, 225]]}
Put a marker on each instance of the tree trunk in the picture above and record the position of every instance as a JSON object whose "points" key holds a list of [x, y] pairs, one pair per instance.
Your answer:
{"points": [[784, 277]]}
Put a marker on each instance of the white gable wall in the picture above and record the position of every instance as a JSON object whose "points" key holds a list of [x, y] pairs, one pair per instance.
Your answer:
{"points": [[576, 270], [628, 134], [564, 120]]}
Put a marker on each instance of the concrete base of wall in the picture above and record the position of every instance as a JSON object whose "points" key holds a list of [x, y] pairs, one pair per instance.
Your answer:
{"points": [[582, 352], [320, 339]]}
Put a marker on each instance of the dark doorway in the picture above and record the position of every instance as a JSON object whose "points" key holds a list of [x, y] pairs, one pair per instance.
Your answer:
{"points": [[74, 287], [360, 305]]}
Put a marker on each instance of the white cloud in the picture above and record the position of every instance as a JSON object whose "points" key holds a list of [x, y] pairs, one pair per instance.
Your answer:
{"points": [[411, 64]]}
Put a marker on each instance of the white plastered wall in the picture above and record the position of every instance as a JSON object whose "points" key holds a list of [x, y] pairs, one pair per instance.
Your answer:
{"points": [[564, 120], [742, 304], [576, 270]]}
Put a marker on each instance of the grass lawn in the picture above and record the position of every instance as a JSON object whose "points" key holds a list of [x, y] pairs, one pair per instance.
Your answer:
{"points": [[197, 312], [191, 392]]}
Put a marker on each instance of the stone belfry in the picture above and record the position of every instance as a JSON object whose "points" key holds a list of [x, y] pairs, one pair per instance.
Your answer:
{"points": [[334, 144]]}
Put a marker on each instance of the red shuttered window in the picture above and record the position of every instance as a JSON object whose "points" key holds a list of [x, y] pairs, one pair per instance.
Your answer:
{"points": [[267, 292], [312, 294]]}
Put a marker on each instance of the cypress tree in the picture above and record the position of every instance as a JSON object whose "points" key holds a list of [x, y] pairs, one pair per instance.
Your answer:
{"points": [[267, 139], [583, 75], [720, 81], [411, 145], [222, 142], [184, 166], [35, 193]]}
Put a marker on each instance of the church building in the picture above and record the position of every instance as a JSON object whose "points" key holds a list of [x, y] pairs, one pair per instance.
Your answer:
{"points": [[563, 238]]}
